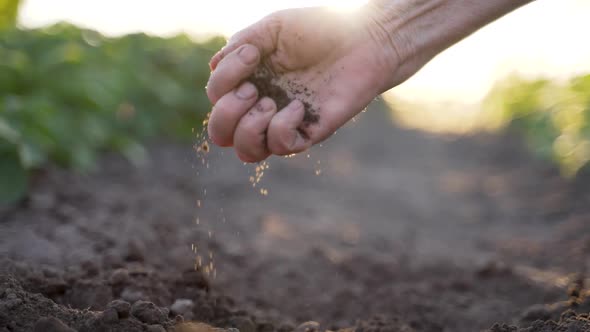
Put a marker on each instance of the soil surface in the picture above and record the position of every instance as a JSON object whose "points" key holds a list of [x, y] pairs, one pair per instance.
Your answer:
{"points": [[381, 229]]}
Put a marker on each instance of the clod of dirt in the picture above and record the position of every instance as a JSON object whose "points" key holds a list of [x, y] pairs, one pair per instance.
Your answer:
{"points": [[21, 310], [89, 294], [502, 328], [130, 294], [569, 321], [265, 81], [109, 316], [183, 307], [121, 307], [51, 324], [148, 312], [119, 277]]}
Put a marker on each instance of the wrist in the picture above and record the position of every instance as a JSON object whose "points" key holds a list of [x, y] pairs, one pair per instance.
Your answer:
{"points": [[385, 28], [418, 30], [400, 28]]}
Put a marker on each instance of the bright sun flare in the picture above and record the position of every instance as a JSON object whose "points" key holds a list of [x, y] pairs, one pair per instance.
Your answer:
{"points": [[346, 4], [473, 64]]}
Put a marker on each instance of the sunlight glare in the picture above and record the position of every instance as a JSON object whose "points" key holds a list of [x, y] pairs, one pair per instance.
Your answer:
{"points": [[521, 42], [346, 5]]}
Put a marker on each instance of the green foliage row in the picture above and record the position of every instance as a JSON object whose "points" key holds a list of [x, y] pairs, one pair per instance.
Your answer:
{"points": [[66, 94], [554, 117]]}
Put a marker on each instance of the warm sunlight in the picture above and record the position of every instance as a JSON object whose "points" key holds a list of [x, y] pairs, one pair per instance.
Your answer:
{"points": [[195, 17], [521, 42], [345, 5]]}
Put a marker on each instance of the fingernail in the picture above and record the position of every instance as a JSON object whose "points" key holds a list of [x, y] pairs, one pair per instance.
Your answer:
{"points": [[295, 105], [265, 105], [246, 91], [248, 54]]}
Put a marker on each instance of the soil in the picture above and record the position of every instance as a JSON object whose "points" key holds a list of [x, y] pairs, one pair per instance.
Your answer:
{"points": [[266, 83], [400, 231]]}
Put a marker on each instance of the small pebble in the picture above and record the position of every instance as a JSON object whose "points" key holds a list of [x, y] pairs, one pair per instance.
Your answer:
{"points": [[123, 308], [119, 277], [148, 312]]}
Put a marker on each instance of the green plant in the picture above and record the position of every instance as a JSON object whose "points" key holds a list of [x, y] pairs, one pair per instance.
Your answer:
{"points": [[8, 13], [553, 117], [67, 94]]}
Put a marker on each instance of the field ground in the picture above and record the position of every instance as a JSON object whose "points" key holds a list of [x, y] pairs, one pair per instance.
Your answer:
{"points": [[400, 231]]}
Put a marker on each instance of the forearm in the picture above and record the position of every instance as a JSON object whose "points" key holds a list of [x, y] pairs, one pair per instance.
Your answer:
{"points": [[417, 30]]}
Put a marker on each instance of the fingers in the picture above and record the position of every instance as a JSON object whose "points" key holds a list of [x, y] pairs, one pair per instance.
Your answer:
{"points": [[284, 135], [263, 35], [250, 135], [215, 60], [256, 129], [232, 70], [228, 111]]}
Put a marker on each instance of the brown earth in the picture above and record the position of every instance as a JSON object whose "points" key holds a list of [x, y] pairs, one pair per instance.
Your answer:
{"points": [[400, 231], [265, 81]]}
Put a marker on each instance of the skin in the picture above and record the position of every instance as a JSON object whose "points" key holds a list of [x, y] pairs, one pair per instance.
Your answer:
{"points": [[343, 59]]}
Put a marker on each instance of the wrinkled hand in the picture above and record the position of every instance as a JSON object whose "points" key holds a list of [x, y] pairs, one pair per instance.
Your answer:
{"points": [[331, 65]]}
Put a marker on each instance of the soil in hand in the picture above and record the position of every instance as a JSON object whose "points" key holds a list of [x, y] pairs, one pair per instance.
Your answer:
{"points": [[266, 82]]}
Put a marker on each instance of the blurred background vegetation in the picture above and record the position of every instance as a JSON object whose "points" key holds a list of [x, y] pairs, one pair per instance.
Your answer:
{"points": [[553, 117], [68, 93]]}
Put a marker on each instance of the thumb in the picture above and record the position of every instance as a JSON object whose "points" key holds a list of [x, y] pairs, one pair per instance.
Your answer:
{"points": [[262, 34]]}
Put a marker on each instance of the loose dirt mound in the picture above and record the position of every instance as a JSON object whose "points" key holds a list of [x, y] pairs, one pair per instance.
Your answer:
{"points": [[401, 231]]}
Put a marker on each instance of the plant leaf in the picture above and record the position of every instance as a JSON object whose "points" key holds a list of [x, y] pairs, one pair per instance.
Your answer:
{"points": [[13, 178]]}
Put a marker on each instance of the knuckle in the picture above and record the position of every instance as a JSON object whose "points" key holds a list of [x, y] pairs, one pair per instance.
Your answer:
{"points": [[249, 133], [278, 138]]}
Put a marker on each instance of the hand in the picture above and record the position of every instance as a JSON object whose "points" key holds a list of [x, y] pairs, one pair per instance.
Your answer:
{"points": [[329, 64]]}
